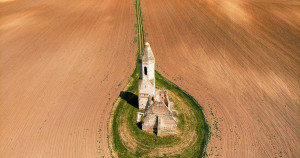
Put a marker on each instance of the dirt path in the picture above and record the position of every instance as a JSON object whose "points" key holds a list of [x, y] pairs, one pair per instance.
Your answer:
{"points": [[63, 63], [241, 61]]}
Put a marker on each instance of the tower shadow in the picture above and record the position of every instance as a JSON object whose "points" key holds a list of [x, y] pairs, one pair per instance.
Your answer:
{"points": [[130, 98], [140, 125]]}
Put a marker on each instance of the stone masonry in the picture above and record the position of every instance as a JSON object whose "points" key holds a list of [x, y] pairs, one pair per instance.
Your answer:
{"points": [[158, 118]]}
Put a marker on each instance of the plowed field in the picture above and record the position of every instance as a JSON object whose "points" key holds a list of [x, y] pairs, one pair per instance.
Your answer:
{"points": [[241, 61], [63, 63]]}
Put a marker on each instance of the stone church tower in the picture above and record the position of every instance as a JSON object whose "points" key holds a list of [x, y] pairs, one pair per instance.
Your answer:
{"points": [[146, 76], [158, 117]]}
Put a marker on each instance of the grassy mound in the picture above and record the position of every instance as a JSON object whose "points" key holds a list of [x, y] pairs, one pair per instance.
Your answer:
{"points": [[126, 139]]}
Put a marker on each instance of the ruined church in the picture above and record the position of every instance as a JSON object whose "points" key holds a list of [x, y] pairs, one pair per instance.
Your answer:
{"points": [[158, 117]]}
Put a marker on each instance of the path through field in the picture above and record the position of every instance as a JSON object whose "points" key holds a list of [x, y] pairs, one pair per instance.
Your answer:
{"points": [[241, 61], [63, 63]]}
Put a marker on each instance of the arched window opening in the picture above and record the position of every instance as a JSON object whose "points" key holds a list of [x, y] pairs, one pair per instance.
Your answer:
{"points": [[145, 70]]}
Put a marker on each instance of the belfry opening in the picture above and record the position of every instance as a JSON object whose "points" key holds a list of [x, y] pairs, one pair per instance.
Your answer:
{"points": [[145, 70]]}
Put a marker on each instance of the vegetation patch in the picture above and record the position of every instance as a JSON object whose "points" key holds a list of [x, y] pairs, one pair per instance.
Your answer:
{"points": [[126, 139]]}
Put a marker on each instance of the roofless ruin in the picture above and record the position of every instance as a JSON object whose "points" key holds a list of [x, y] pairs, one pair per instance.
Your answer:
{"points": [[158, 117]]}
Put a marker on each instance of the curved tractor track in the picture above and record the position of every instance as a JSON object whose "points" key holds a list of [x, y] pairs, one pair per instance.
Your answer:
{"points": [[241, 61], [63, 63]]}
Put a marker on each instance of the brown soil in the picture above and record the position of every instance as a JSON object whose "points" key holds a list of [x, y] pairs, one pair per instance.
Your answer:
{"points": [[241, 61], [63, 63]]}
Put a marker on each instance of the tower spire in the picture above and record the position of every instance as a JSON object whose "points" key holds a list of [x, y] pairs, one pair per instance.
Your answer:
{"points": [[147, 53]]}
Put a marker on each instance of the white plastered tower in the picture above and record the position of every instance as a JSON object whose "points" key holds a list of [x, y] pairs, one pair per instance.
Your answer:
{"points": [[146, 76]]}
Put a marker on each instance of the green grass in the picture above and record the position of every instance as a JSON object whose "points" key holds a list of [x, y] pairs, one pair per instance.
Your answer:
{"points": [[126, 114], [150, 141]]}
